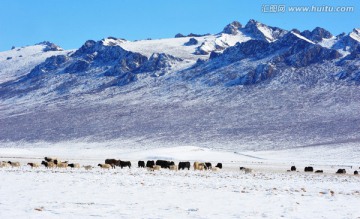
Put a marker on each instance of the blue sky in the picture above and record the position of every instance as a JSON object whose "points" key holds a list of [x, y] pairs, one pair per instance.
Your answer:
{"points": [[69, 23]]}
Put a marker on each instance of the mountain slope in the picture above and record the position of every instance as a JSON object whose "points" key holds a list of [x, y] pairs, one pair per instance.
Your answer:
{"points": [[20, 60], [253, 87]]}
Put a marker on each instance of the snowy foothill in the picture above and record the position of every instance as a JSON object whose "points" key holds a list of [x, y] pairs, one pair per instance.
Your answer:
{"points": [[268, 192]]}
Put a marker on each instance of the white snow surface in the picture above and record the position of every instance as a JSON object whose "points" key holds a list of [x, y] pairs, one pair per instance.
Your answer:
{"points": [[268, 192], [172, 46], [175, 46], [23, 60], [328, 43], [113, 42], [231, 40], [266, 31], [302, 37], [355, 34]]}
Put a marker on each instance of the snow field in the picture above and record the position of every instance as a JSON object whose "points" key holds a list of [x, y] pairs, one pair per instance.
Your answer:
{"points": [[138, 193], [268, 192]]}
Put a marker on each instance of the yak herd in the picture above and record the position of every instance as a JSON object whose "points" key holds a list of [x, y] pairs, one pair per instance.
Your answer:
{"points": [[311, 169], [151, 165], [159, 164]]}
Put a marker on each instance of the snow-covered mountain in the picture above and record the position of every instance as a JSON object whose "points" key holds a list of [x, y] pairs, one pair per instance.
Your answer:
{"points": [[249, 86], [20, 60]]}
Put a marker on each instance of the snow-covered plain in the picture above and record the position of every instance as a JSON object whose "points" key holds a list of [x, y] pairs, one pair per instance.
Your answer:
{"points": [[268, 192]]}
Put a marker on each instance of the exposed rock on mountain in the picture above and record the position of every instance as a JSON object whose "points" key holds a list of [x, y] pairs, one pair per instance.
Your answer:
{"points": [[347, 42], [232, 28], [179, 35], [261, 73], [50, 64], [263, 32], [207, 47], [77, 66], [159, 61], [317, 35], [191, 42], [50, 46]]}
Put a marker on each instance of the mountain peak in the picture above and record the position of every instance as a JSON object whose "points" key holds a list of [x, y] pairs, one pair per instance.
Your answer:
{"points": [[295, 31], [49, 46], [263, 32], [112, 41], [295, 35], [356, 30], [252, 22], [317, 34], [232, 28], [355, 34]]}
